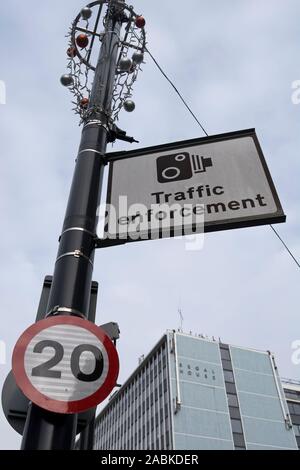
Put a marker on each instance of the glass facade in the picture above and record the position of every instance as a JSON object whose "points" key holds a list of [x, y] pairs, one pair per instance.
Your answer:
{"points": [[200, 411], [292, 394], [264, 412], [232, 399], [191, 393], [139, 415]]}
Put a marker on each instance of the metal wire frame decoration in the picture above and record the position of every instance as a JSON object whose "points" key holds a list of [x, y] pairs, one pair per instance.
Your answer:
{"points": [[88, 28]]}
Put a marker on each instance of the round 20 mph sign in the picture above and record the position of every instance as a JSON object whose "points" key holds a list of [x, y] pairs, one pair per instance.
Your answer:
{"points": [[65, 364]]}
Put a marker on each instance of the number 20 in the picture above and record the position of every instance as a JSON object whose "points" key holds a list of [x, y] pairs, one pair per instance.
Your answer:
{"points": [[44, 370]]}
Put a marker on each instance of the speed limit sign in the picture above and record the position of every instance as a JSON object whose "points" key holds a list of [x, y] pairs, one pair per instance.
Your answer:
{"points": [[65, 364]]}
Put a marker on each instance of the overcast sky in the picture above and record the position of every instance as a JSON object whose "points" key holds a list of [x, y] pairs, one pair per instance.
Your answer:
{"points": [[235, 63]]}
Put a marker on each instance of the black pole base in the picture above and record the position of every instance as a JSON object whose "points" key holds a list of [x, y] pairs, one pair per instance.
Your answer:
{"points": [[45, 430]]}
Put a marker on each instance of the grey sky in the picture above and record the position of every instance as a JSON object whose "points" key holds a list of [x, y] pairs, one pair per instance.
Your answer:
{"points": [[235, 62]]}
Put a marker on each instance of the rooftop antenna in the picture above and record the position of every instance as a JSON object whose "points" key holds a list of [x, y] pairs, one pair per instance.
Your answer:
{"points": [[180, 316]]}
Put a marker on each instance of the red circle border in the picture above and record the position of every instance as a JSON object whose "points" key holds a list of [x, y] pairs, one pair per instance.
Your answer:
{"points": [[57, 406]]}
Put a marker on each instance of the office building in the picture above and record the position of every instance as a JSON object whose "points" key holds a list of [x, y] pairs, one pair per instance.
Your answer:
{"points": [[193, 393], [292, 394]]}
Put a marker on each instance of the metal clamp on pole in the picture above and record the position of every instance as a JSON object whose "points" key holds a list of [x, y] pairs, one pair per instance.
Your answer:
{"points": [[76, 254], [99, 154], [57, 310]]}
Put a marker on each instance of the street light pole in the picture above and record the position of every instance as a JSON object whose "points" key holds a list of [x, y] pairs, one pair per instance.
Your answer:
{"points": [[72, 279]]}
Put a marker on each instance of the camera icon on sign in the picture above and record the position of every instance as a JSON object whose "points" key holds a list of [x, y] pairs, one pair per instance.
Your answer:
{"points": [[180, 166]]}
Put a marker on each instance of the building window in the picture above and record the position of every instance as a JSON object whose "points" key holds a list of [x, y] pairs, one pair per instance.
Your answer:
{"points": [[225, 354], [234, 412], [292, 394], [232, 400], [238, 440], [296, 407], [297, 430], [230, 388], [228, 375], [226, 364], [236, 426]]}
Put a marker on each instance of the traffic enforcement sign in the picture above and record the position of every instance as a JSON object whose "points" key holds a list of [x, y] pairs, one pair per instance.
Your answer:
{"points": [[65, 364], [212, 183]]}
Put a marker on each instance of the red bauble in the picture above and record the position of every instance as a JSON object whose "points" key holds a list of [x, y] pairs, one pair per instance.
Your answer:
{"points": [[84, 103], [82, 40], [71, 52], [140, 21]]}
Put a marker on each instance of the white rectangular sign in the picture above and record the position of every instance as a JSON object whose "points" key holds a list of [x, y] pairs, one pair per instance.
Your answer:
{"points": [[207, 184]]}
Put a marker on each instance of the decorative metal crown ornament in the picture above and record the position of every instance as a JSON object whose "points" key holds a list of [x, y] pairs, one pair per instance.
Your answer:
{"points": [[86, 33]]}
